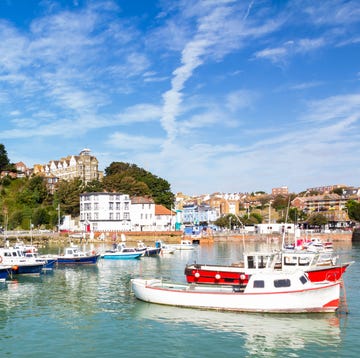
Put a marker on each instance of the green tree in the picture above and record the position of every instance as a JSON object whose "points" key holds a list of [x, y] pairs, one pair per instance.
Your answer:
{"points": [[130, 179], [353, 208], [40, 217], [68, 196], [34, 192], [317, 219], [4, 160], [94, 186]]}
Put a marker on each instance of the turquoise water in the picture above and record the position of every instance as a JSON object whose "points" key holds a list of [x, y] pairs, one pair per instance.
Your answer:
{"points": [[91, 312]]}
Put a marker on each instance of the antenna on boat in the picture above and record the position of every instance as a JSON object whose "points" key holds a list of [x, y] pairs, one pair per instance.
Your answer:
{"points": [[286, 219]]}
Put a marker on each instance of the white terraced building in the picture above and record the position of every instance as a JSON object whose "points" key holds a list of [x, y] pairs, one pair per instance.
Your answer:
{"points": [[109, 212]]}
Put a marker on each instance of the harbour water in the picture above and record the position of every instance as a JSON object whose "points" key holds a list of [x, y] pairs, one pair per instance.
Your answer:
{"points": [[91, 312]]}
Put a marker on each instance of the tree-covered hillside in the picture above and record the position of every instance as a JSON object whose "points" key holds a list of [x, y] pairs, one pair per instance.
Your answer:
{"points": [[27, 201]]}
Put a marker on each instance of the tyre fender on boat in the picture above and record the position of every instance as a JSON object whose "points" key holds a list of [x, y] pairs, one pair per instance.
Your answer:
{"points": [[1, 259]]}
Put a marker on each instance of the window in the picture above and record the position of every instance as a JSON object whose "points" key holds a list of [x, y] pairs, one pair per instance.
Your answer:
{"points": [[126, 216], [96, 206], [111, 206], [126, 206], [259, 284], [111, 216], [118, 207], [303, 279], [282, 283]]}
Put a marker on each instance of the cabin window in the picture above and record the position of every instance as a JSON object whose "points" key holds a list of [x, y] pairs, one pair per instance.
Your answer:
{"points": [[303, 279], [261, 263], [250, 262], [282, 283], [259, 284], [289, 261]]}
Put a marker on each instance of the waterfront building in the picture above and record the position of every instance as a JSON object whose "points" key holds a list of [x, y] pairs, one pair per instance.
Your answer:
{"points": [[105, 212], [142, 214], [196, 214], [164, 218], [109, 212]]}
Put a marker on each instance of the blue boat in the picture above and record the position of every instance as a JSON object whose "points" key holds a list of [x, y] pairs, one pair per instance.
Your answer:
{"points": [[74, 256], [121, 252], [148, 250], [19, 263], [48, 261], [5, 271]]}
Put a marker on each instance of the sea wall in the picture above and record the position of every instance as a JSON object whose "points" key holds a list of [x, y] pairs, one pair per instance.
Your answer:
{"points": [[166, 236]]}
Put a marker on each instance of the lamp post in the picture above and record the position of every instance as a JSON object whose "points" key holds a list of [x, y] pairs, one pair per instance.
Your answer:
{"points": [[58, 210]]}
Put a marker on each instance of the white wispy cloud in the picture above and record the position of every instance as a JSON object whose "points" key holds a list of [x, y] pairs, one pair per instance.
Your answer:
{"points": [[130, 142]]}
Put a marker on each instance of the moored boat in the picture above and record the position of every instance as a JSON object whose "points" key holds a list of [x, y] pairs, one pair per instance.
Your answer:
{"points": [[20, 265], [48, 260], [318, 266], [165, 248], [148, 250], [5, 271], [273, 292], [74, 256], [184, 245], [121, 252]]}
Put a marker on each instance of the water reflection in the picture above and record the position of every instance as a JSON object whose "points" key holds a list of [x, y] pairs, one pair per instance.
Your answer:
{"points": [[261, 333]]}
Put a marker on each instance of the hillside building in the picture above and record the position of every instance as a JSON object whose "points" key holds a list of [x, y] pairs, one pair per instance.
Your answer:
{"points": [[83, 166]]}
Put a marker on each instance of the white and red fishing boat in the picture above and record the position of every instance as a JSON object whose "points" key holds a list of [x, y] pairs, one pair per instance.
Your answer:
{"points": [[265, 291], [318, 266]]}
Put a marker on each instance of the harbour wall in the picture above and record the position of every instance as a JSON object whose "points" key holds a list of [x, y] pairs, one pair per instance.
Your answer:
{"points": [[166, 236]]}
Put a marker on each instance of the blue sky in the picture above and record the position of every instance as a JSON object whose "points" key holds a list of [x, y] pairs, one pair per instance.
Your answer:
{"points": [[213, 95]]}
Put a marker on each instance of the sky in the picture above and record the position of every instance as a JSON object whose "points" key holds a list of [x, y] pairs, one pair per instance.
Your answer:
{"points": [[212, 96]]}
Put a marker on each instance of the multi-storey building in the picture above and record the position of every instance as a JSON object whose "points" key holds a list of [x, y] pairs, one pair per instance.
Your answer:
{"points": [[105, 212], [195, 214], [326, 189], [117, 212], [280, 191], [83, 166]]}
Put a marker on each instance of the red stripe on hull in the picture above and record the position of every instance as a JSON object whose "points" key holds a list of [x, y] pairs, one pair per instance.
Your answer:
{"points": [[333, 303]]}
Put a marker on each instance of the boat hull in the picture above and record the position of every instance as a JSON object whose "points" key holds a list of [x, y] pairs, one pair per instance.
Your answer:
{"points": [[81, 260], [27, 269], [4, 272], [119, 256], [152, 251], [320, 298]]}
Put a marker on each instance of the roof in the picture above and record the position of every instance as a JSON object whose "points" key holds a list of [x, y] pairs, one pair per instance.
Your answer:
{"points": [[141, 200], [161, 210]]}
